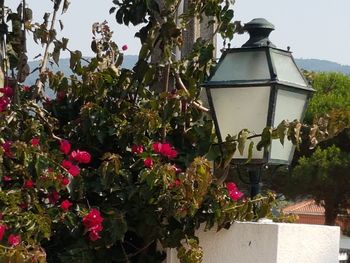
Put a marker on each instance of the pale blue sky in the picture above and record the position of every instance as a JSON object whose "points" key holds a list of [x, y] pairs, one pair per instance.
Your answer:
{"points": [[312, 28]]}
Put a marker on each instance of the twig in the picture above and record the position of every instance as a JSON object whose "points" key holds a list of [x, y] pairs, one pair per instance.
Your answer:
{"points": [[126, 256], [183, 87], [39, 84], [140, 250]]}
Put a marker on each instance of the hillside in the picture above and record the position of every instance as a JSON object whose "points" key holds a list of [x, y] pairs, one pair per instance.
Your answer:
{"points": [[322, 65], [130, 60]]}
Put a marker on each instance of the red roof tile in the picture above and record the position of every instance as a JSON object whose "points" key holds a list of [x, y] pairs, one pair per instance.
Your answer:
{"points": [[307, 207]]}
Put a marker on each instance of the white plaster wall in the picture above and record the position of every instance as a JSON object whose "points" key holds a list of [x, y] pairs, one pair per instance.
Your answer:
{"points": [[269, 243]]}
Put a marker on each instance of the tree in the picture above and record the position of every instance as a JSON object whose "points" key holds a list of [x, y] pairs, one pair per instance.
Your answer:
{"points": [[323, 171], [325, 176]]}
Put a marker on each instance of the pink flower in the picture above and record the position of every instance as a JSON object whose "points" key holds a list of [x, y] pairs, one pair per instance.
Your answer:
{"points": [[125, 47], [233, 191], [65, 205], [80, 156], [177, 169], [65, 181], [35, 142], [92, 219], [137, 149], [65, 146], [66, 164], [28, 184], [14, 240], [74, 170], [53, 197], [148, 162], [6, 178], [2, 231], [7, 91], [7, 148]]}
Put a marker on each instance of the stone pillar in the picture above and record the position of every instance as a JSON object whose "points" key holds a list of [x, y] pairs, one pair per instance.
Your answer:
{"points": [[268, 243]]}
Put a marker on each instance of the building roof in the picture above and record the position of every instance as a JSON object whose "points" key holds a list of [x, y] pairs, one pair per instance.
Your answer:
{"points": [[307, 207]]}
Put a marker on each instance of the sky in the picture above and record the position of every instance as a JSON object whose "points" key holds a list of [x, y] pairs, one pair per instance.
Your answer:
{"points": [[312, 28]]}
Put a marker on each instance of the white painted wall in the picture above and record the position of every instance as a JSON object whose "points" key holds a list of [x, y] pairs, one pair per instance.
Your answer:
{"points": [[269, 243]]}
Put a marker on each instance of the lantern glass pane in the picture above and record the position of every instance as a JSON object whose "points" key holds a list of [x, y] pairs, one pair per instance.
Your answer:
{"points": [[243, 66], [286, 69], [290, 105], [241, 108]]}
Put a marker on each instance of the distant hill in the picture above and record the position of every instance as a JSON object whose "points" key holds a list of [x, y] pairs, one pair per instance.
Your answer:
{"points": [[130, 60], [322, 65]]}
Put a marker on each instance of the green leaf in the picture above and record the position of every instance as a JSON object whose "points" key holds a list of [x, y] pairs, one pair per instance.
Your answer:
{"points": [[265, 139], [250, 151], [242, 138], [282, 131]]}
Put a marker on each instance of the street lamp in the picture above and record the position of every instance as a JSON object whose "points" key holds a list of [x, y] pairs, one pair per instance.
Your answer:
{"points": [[256, 86]]}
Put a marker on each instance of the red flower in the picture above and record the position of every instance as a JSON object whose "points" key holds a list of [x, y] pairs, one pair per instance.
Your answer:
{"points": [[176, 183], [65, 205], [7, 91], [2, 231], [92, 219], [93, 224], [67, 164], [137, 149], [35, 142], [53, 197], [60, 95], [7, 148], [28, 184], [65, 181], [14, 240], [26, 88], [4, 102], [125, 47], [65, 146], [165, 149], [148, 162], [95, 231], [80, 156], [168, 151], [157, 146], [233, 191], [74, 170]]}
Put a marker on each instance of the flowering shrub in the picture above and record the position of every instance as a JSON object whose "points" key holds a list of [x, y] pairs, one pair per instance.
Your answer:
{"points": [[108, 168]]}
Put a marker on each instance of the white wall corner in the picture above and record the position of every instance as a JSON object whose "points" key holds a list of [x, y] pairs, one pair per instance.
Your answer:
{"points": [[249, 242]]}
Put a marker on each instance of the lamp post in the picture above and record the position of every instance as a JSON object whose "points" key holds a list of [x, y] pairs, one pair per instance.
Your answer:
{"points": [[256, 86]]}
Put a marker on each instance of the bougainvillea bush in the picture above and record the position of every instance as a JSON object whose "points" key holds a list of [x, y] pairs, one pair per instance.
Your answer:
{"points": [[113, 169]]}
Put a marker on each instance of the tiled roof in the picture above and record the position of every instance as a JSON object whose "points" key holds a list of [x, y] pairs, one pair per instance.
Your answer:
{"points": [[307, 207]]}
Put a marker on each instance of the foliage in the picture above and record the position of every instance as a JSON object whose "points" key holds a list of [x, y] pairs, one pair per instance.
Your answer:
{"points": [[332, 93], [110, 168], [320, 170], [325, 176]]}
